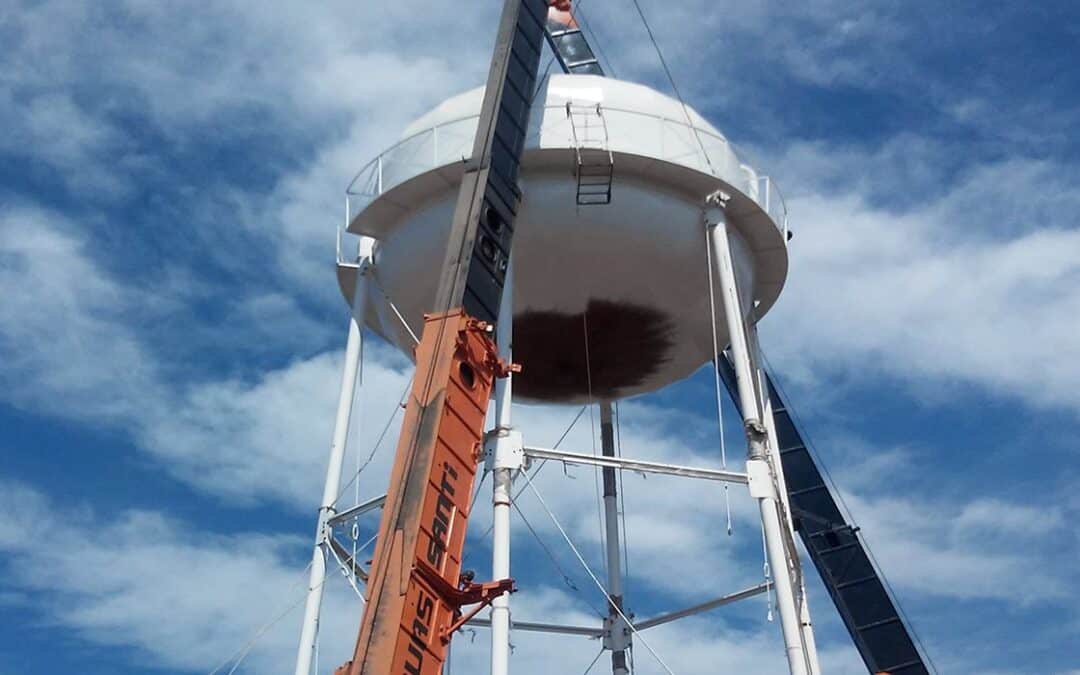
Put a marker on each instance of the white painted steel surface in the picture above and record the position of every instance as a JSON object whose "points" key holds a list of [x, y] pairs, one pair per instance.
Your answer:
{"points": [[645, 249], [805, 624], [639, 121], [640, 466], [354, 348], [762, 481]]}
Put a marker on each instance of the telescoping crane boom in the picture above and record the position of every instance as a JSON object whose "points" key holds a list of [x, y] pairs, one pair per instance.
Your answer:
{"points": [[415, 590]]}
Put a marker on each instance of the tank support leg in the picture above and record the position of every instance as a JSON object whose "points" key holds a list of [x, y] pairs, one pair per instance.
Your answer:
{"points": [[759, 466], [504, 455], [309, 630], [618, 634], [805, 624]]}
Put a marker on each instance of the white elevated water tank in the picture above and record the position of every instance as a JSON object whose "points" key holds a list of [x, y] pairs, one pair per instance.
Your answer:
{"points": [[610, 300]]}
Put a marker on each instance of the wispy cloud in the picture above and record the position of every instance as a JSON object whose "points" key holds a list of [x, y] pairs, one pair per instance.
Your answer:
{"points": [[970, 286], [181, 598]]}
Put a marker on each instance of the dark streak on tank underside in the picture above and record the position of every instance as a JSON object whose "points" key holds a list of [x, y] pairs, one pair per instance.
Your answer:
{"points": [[626, 344]]}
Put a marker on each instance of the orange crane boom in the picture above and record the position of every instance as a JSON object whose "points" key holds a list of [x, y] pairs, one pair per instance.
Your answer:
{"points": [[416, 591]]}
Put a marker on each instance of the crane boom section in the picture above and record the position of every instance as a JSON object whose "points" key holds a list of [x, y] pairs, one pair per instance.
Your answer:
{"points": [[415, 592], [478, 249]]}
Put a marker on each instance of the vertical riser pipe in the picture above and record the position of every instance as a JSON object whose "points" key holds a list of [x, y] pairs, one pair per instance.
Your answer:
{"points": [[503, 483], [612, 538]]}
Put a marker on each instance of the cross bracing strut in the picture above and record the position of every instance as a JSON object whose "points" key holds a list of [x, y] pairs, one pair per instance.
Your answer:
{"points": [[359, 509], [348, 563], [668, 617], [858, 590], [596, 632], [659, 620], [637, 465], [534, 627]]}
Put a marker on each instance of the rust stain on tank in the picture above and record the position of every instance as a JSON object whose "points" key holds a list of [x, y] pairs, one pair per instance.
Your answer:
{"points": [[626, 343]]}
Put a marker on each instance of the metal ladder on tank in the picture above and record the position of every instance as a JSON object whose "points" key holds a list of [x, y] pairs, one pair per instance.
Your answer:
{"points": [[595, 165]]}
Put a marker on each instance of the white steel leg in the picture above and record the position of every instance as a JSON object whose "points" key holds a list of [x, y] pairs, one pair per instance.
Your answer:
{"points": [[808, 632], [353, 349], [619, 633], [805, 624], [500, 565], [759, 465], [504, 458]]}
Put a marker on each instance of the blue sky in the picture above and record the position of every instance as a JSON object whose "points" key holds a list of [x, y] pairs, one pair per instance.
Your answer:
{"points": [[171, 331]]}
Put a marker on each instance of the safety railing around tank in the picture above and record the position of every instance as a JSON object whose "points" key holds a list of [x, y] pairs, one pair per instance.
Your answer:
{"points": [[630, 131]]}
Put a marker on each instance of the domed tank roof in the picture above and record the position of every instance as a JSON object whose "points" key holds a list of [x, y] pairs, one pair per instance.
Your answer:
{"points": [[610, 300], [557, 90]]}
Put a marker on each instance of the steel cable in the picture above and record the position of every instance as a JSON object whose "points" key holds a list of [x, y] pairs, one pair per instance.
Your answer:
{"points": [[674, 87], [245, 649], [588, 570]]}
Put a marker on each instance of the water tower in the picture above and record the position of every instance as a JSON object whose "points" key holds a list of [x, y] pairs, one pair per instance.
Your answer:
{"points": [[644, 246]]}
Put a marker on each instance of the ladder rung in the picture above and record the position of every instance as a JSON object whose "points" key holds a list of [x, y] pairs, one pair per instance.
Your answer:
{"points": [[588, 69], [595, 164], [834, 549], [856, 582], [816, 488], [905, 664], [875, 624], [834, 529]]}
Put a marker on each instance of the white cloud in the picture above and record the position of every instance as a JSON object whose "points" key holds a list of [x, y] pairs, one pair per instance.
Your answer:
{"points": [[328, 85], [267, 440], [182, 599], [69, 349], [942, 549], [977, 546], [65, 347], [969, 287]]}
